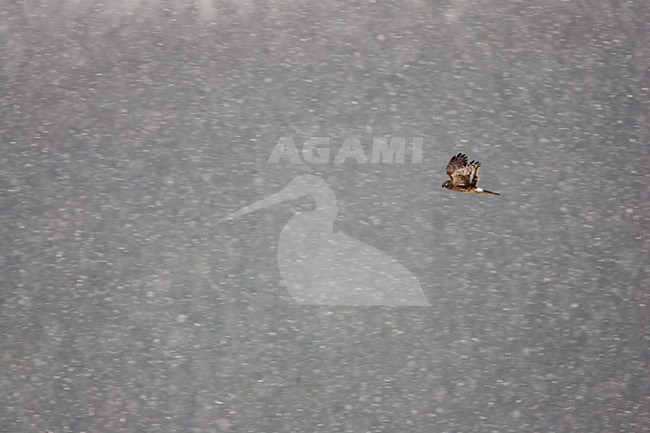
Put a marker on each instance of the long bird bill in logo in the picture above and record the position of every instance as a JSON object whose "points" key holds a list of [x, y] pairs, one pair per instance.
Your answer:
{"points": [[464, 176], [323, 267]]}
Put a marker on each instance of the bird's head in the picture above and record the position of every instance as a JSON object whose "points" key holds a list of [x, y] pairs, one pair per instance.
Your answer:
{"points": [[447, 184]]}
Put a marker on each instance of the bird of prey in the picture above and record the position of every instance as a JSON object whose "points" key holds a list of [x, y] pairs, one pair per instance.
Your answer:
{"points": [[464, 175]]}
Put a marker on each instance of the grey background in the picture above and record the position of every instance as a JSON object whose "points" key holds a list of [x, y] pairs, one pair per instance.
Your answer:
{"points": [[129, 128]]}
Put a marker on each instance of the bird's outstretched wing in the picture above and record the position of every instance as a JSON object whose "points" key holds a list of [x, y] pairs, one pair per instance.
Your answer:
{"points": [[461, 172], [456, 162], [473, 172]]}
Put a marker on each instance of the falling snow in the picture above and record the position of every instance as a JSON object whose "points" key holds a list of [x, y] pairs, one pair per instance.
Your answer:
{"points": [[130, 128]]}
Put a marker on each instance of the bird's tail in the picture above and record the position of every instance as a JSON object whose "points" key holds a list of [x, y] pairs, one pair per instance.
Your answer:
{"points": [[485, 191]]}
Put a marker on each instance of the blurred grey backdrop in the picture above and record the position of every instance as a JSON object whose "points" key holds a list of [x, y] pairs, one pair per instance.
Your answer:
{"points": [[129, 128]]}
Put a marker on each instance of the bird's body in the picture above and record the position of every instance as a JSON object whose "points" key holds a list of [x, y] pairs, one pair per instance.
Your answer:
{"points": [[464, 176]]}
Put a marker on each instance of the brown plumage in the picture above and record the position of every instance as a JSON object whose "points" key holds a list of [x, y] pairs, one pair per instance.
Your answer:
{"points": [[464, 175]]}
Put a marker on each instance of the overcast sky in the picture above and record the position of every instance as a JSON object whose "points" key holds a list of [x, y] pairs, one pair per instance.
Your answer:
{"points": [[130, 129]]}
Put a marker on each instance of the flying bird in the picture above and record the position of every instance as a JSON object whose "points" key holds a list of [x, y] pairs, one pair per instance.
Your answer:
{"points": [[464, 175]]}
